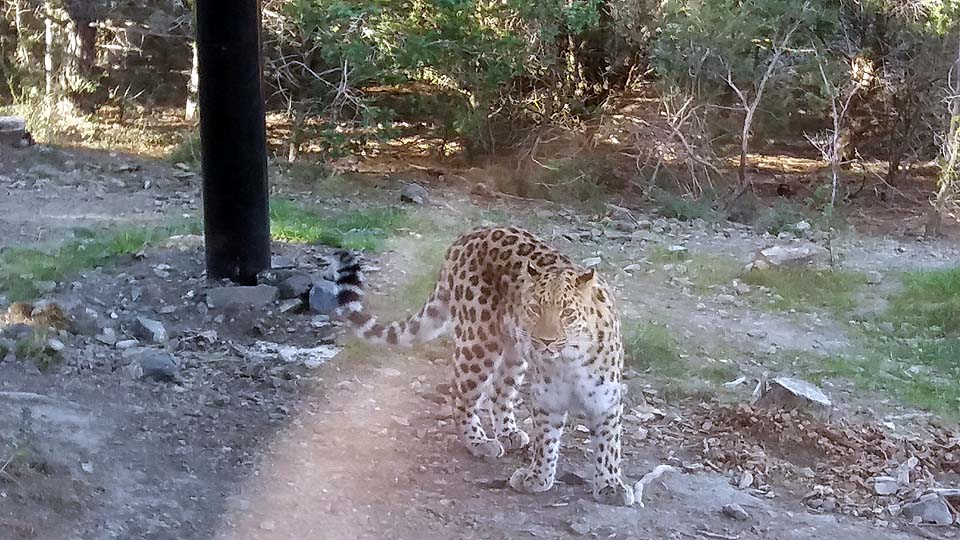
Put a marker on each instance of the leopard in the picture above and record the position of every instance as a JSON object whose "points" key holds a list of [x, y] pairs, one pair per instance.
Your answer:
{"points": [[517, 307]]}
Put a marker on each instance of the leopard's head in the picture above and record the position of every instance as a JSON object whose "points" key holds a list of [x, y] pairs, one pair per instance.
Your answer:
{"points": [[557, 307]]}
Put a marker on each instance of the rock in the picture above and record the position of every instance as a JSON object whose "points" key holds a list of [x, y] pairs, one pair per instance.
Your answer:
{"points": [[107, 337], [590, 262], [802, 226], [746, 480], [726, 299], [282, 261], [13, 129], [414, 193], [294, 286], [127, 344], [55, 345], [323, 296], [792, 256], [291, 305], [151, 364], [735, 511], [887, 327], [84, 323], [258, 295], [807, 472], [874, 277], [677, 250], [885, 485], [150, 330], [741, 288], [788, 393], [930, 508]]}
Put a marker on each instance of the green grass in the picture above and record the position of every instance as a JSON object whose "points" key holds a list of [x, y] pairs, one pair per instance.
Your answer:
{"points": [[924, 374], [708, 271], [21, 269], [367, 229], [805, 289], [187, 151], [930, 299], [652, 347], [659, 254], [676, 207]]}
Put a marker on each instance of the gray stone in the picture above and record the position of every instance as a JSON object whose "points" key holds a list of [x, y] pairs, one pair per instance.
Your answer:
{"points": [[786, 393], [291, 305], [323, 296], [294, 286], [414, 193], [887, 327], [12, 130], [885, 485], [85, 323], [791, 256], [151, 364], [874, 277], [108, 337], [735, 511], [930, 508], [258, 295], [150, 330], [282, 261]]}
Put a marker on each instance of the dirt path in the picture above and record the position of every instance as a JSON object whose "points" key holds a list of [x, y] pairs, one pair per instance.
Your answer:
{"points": [[243, 447]]}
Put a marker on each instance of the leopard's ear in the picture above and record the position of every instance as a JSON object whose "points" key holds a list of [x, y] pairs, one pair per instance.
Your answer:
{"points": [[586, 278]]}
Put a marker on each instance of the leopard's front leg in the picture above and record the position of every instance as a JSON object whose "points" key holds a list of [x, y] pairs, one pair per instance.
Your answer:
{"points": [[608, 486], [547, 430]]}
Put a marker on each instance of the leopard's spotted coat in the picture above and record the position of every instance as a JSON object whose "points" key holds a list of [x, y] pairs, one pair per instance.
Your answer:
{"points": [[516, 304]]}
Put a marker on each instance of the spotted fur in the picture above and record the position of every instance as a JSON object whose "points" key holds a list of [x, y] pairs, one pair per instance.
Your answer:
{"points": [[517, 306]]}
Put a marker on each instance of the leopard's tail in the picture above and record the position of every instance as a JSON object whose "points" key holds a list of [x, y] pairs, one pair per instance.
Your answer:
{"points": [[429, 323]]}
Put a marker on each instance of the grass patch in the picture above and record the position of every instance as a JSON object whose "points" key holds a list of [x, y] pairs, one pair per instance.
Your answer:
{"points": [[187, 151], [708, 271], [930, 300], [367, 229], [677, 207], [659, 254], [923, 374], [22, 269], [652, 347], [803, 289]]}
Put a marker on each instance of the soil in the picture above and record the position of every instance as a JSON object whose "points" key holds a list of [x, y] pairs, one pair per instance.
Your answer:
{"points": [[242, 446]]}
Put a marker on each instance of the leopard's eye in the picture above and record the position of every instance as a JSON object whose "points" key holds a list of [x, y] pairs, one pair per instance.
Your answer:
{"points": [[568, 313]]}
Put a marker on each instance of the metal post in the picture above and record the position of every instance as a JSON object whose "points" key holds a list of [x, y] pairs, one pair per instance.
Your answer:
{"points": [[233, 140]]}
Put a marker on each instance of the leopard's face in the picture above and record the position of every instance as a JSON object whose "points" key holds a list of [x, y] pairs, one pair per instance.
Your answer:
{"points": [[555, 312]]}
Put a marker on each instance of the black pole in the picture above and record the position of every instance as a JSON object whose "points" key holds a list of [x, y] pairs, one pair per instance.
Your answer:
{"points": [[233, 140]]}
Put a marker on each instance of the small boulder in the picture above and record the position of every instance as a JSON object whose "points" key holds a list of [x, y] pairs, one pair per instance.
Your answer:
{"points": [[735, 511], [258, 295], [874, 277], [786, 393], [150, 330], [788, 256], [294, 286], [13, 129], [414, 193], [323, 296], [151, 364], [931, 508]]}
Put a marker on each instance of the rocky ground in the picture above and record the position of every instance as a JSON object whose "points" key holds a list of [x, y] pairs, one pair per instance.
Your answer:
{"points": [[171, 407]]}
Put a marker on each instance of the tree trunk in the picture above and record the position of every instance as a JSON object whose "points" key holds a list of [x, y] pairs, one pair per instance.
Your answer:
{"points": [[949, 177], [296, 130], [190, 112], [23, 55], [48, 42]]}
